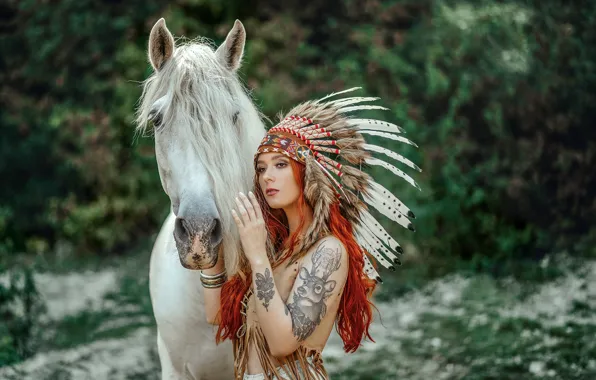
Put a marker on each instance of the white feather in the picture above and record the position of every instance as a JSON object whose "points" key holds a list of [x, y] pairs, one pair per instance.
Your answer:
{"points": [[376, 125], [395, 156], [349, 101], [393, 169], [358, 108], [369, 269], [377, 244], [380, 192], [381, 205], [390, 136], [364, 238], [377, 229], [338, 93]]}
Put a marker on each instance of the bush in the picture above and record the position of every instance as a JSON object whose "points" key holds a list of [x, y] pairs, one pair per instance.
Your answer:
{"points": [[20, 311], [67, 148], [490, 92], [498, 94]]}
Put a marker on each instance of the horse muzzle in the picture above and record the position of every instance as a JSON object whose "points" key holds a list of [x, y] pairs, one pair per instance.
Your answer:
{"points": [[198, 241]]}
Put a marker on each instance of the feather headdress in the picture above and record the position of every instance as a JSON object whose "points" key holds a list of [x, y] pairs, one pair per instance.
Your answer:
{"points": [[321, 135]]}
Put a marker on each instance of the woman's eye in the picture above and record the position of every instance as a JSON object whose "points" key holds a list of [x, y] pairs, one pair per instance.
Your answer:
{"points": [[260, 170], [281, 165]]}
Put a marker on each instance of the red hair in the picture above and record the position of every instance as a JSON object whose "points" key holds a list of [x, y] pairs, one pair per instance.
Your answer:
{"points": [[354, 315]]}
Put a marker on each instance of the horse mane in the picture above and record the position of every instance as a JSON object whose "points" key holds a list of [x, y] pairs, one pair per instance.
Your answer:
{"points": [[210, 107]]}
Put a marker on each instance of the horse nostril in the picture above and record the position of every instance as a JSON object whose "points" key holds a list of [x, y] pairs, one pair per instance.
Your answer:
{"points": [[180, 230], [216, 233]]}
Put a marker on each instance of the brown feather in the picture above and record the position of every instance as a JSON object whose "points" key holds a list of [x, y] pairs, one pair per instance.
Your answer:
{"points": [[318, 192], [355, 179]]}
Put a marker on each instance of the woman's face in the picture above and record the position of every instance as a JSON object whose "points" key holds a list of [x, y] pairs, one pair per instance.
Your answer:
{"points": [[276, 179]]}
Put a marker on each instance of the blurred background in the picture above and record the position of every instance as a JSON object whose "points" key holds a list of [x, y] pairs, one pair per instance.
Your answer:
{"points": [[498, 281]]}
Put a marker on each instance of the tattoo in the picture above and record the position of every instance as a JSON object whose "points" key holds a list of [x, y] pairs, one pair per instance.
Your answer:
{"points": [[265, 287], [308, 307], [286, 309]]}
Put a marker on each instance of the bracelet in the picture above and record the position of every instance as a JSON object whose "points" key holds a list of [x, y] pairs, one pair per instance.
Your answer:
{"points": [[214, 286], [213, 281], [213, 276]]}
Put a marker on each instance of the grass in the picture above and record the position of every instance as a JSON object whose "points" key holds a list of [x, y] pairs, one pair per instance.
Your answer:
{"points": [[491, 329], [124, 309], [441, 321]]}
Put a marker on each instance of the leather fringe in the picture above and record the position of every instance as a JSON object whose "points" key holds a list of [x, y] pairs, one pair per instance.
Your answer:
{"points": [[296, 366]]}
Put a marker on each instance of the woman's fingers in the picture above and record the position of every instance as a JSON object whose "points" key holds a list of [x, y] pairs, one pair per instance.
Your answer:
{"points": [[249, 207], [256, 205], [237, 219], [243, 212]]}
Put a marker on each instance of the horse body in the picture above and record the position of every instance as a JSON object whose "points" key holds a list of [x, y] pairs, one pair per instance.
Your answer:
{"points": [[185, 340], [206, 131]]}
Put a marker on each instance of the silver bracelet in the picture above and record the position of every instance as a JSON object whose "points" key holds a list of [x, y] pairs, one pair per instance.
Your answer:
{"points": [[213, 276], [212, 286], [213, 281]]}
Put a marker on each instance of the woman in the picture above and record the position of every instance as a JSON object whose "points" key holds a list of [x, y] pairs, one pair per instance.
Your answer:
{"points": [[308, 240]]}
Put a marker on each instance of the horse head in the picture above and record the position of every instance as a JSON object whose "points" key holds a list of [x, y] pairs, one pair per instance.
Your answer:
{"points": [[206, 130]]}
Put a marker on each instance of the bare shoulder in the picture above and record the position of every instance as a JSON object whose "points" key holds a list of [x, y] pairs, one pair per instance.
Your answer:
{"points": [[328, 250], [328, 244]]}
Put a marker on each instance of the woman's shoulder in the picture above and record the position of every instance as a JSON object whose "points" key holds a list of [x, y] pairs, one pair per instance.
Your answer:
{"points": [[329, 243], [330, 240]]}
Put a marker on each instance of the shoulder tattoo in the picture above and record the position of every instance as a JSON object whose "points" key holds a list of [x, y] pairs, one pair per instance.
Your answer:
{"points": [[308, 304]]}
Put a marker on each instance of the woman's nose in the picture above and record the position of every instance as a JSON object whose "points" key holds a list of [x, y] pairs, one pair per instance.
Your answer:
{"points": [[267, 176]]}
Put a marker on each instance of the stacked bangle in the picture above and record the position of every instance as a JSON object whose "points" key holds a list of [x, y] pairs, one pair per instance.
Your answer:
{"points": [[213, 281]]}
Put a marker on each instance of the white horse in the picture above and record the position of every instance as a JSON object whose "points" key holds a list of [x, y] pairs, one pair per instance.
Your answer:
{"points": [[206, 131]]}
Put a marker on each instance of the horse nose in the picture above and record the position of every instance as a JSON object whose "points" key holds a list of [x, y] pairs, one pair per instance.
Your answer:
{"points": [[183, 231], [215, 233]]}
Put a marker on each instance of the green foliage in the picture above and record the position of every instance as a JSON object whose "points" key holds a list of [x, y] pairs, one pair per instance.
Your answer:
{"points": [[67, 148], [498, 95], [481, 88], [20, 311]]}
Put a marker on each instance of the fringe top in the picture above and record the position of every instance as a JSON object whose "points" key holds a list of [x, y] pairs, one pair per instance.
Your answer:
{"points": [[304, 363]]}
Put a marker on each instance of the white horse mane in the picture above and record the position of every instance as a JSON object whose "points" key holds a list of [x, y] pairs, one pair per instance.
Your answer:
{"points": [[194, 89]]}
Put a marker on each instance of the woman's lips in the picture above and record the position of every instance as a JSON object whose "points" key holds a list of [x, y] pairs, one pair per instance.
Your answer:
{"points": [[271, 192]]}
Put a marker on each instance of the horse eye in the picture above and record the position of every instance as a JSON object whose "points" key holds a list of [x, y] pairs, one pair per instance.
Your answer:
{"points": [[235, 117], [155, 118]]}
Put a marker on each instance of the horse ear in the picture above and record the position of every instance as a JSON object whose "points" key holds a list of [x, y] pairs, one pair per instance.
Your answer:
{"points": [[231, 50], [161, 44]]}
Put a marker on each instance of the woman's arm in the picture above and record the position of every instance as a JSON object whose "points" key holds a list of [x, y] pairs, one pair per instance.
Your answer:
{"points": [[212, 295], [320, 282]]}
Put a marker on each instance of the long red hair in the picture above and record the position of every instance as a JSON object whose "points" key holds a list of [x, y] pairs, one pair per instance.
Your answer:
{"points": [[354, 315]]}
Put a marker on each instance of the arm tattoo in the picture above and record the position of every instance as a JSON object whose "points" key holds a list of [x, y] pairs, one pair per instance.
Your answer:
{"points": [[265, 287], [308, 307]]}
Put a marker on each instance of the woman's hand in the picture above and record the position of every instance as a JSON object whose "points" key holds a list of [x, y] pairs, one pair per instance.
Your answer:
{"points": [[253, 233]]}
